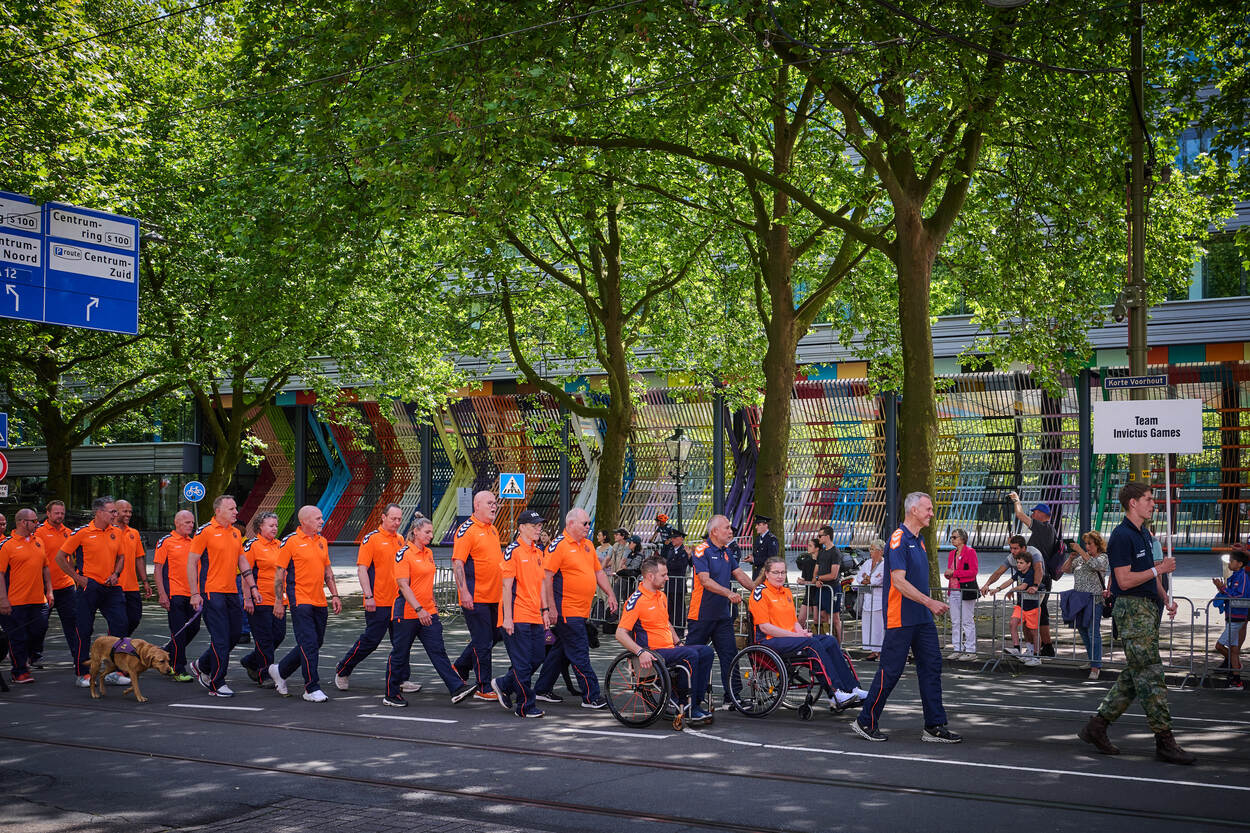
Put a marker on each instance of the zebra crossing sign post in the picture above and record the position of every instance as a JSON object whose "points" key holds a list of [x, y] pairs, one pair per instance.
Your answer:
{"points": [[512, 485]]}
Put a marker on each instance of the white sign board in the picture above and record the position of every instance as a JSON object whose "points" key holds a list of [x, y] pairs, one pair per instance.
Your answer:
{"points": [[464, 501], [1148, 426]]}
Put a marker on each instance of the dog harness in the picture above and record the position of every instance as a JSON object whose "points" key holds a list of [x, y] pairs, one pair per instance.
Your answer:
{"points": [[122, 646]]}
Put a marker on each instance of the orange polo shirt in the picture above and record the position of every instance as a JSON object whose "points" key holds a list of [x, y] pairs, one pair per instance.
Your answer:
{"points": [[477, 547], [417, 565], [646, 618], [52, 538], [773, 607], [306, 558], [221, 545], [173, 551], [100, 548], [265, 556], [377, 552], [523, 563], [25, 562], [132, 551], [574, 566]]}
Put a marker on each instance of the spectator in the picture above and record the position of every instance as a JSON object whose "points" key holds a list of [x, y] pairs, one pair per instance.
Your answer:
{"points": [[1045, 539], [1025, 615], [632, 566], [828, 565], [1088, 566], [616, 554], [602, 548], [1016, 545], [1237, 587], [807, 577], [871, 577], [677, 558], [962, 593]]}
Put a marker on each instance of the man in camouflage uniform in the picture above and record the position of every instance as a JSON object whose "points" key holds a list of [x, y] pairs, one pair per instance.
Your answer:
{"points": [[1139, 601]]}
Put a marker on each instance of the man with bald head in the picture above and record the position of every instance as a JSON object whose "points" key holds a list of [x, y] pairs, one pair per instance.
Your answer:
{"points": [[135, 567], [173, 588], [711, 617], [572, 572], [216, 558], [477, 561], [304, 571]]}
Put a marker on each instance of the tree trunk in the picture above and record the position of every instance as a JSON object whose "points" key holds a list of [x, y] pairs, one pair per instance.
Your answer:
{"points": [[918, 412], [771, 467], [60, 465], [616, 425], [226, 426]]}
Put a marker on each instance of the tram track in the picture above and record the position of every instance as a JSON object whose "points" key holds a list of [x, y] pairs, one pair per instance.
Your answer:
{"points": [[754, 776]]}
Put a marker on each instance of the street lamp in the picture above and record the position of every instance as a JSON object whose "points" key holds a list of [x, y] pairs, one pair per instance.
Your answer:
{"points": [[678, 449]]}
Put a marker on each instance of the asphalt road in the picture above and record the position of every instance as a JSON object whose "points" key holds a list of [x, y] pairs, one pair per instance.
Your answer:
{"points": [[263, 762]]}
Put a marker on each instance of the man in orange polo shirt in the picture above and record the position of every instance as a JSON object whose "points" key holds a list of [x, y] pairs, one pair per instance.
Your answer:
{"points": [[135, 568], [174, 591], [415, 616], [572, 572], [216, 558], [476, 560], [776, 625], [645, 630], [303, 570], [97, 552], [25, 584], [375, 565], [525, 616], [52, 533]]}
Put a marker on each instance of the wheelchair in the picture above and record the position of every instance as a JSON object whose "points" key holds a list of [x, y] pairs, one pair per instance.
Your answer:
{"points": [[764, 680], [638, 697]]}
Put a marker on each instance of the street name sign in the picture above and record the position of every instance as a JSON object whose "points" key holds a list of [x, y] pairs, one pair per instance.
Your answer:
{"points": [[64, 264], [1158, 380], [1148, 426]]}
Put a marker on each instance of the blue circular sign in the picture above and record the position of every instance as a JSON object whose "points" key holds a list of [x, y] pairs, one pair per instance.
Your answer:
{"points": [[194, 491]]}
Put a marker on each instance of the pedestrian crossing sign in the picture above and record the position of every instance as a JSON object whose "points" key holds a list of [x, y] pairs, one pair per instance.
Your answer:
{"points": [[512, 486]]}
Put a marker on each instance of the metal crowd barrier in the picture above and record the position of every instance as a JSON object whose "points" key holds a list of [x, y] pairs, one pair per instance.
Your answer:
{"points": [[1232, 603]]}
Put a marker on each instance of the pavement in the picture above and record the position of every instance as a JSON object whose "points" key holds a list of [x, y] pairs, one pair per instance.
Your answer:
{"points": [[187, 761]]}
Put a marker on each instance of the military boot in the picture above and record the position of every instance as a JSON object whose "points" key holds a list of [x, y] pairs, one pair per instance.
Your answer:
{"points": [[1167, 750], [1095, 732]]}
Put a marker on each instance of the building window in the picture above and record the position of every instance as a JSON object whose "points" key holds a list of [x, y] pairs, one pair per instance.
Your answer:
{"points": [[1223, 273]]}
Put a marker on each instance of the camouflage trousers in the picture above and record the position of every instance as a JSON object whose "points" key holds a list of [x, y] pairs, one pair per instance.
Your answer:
{"points": [[1137, 620]]}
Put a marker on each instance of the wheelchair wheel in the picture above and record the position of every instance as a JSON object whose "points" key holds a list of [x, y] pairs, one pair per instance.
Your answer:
{"points": [[636, 697], [806, 712], [759, 680]]}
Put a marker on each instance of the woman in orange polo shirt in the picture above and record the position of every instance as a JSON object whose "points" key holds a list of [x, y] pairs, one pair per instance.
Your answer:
{"points": [[268, 631]]}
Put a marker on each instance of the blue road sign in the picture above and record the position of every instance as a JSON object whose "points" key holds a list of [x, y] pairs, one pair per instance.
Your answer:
{"points": [[512, 485], [62, 264], [1158, 380], [4, 430], [194, 491]]}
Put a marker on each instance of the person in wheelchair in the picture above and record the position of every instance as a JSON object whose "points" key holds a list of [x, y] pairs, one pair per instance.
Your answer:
{"points": [[645, 630], [772, 609]]}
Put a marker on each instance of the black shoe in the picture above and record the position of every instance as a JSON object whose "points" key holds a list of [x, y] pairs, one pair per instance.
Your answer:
{"points": [[1048, 649], [595, 704], [253, 675], [397, 701], [875, 735], [939, 734], [463, 692], [548, 697]]}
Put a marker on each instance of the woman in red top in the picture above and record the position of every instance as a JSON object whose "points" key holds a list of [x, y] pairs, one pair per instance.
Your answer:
{"points": [[961, 575], [415, 616], [268, 629]]}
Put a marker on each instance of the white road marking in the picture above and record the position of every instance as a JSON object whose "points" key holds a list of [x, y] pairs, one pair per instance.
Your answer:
{"points": [[1016, 707], [223, 708], [981, 765], [411, 719], [652, 735]]}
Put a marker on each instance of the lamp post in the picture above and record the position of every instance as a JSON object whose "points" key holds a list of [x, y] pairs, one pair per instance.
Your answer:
{"points": [[678, 449]]}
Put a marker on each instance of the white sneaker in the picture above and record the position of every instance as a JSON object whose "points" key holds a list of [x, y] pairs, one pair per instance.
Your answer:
{"points": [[279, 681], [1027, 651], [953, 655], [84, 681], [860, 693], [116, 678], [1014, 650], [410, 687], [842, 699], [222, 691], [317, 696], [1032, 660], [968, 656], [341, 683]]}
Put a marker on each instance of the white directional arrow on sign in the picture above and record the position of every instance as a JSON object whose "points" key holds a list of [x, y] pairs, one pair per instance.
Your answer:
{"points": [[17, 299], [94, 302]]}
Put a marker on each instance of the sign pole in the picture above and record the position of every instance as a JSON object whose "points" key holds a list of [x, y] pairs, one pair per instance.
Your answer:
{"points": [[1167, 510]]}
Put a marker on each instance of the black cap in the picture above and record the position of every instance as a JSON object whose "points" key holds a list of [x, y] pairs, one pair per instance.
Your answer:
{"points": [[529, 516], [679, 533], [763, 519], [634, 539]]}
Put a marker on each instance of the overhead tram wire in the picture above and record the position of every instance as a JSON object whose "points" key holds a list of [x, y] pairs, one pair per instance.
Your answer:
{"points": [[116, 31], [452, 131], [259, 94]]}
